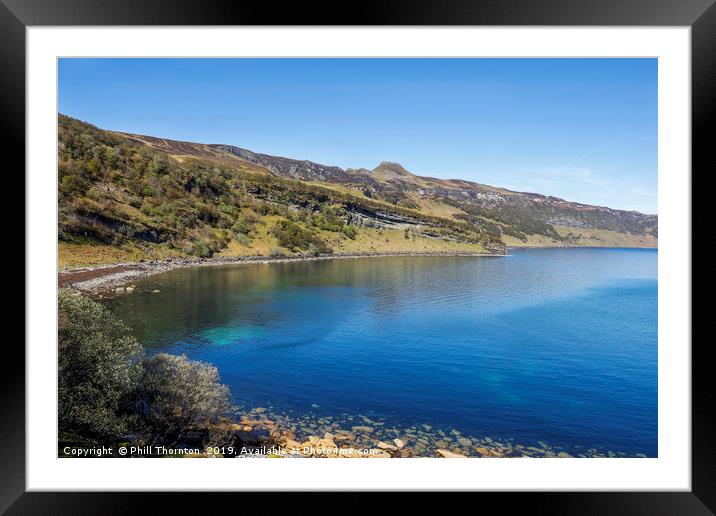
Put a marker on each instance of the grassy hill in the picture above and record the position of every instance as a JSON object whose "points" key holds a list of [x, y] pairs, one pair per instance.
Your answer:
{"points": [[122, 198], [126, 197]]}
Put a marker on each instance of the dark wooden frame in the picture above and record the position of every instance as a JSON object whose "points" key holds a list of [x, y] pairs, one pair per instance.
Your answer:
{"points": [[700, 15]]}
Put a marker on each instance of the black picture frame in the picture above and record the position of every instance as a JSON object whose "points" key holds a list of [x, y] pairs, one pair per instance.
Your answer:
{"points": [[700, 15]]}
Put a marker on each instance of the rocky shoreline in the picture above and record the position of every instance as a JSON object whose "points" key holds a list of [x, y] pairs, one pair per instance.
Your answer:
{"points": [[93, 280], [264, 433]]}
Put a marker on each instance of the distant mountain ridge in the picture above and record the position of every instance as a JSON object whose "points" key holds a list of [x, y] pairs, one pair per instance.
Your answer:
{"points": [[149, 197], [391, 181]]}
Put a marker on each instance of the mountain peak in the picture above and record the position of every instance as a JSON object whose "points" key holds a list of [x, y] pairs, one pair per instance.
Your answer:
{"points": [[390, 169]]}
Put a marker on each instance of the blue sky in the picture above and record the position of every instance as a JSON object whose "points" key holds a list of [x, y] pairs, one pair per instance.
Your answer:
{"points": [[581, 129]]}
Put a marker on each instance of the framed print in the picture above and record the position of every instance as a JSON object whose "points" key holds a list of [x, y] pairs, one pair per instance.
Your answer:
{"points": [[258, 247]]}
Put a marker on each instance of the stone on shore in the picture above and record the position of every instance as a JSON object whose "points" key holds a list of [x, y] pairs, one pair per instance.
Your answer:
{"points": [[252, 434], [483, 451], [451, 455], [386, 446], [292, 445]]}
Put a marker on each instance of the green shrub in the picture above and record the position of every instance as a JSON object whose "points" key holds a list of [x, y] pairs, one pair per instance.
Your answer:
{"points": [[241, 225], [148, 209], [350, 231], [292, 236], [148, 191], [158, 164], [202, 249], [72, 184], [177, 394], [227, 209], [99, 367]]}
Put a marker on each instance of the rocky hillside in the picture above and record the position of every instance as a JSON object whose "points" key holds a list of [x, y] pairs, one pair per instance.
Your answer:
{"points": [[521, 218], [127, 196]]}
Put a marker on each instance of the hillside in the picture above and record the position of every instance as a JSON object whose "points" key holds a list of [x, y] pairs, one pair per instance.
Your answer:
{"points": [[126, 197], [520, 218]]}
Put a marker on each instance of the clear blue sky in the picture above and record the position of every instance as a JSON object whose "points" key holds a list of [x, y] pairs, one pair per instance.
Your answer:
{"points": [[581, 129]]}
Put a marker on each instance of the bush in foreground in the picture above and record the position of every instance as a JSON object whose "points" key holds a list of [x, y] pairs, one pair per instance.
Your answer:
{"points": [[108, 390], [99, 367], [176, 394]]}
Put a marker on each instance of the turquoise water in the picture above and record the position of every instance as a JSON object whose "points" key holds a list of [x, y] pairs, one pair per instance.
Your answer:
{"points": [[552, 345]]}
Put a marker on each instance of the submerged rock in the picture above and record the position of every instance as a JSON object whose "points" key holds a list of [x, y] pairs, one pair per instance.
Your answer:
{"points": [[309, 435]]}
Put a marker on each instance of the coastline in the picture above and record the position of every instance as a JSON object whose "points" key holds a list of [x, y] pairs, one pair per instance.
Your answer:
{"points": [[654, 248], [95, 279]]}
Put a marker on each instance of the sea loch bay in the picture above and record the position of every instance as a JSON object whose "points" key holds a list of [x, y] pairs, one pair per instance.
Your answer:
{"points": [[544, 347]]}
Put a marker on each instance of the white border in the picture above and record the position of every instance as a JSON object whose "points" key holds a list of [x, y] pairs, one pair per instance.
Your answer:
{"points": [[670, 471]]}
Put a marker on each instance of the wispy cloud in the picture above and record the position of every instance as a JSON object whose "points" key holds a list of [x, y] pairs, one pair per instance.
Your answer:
{"points": [[643, 192], [571, 173], [583, 184], [555, 178]]}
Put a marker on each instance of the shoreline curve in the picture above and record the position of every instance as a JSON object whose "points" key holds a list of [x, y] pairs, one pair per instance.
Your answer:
{"points": [[94, 279]]}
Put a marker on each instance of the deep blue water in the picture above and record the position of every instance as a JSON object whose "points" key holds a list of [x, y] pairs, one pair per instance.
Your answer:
{"points": [[557, 345]]}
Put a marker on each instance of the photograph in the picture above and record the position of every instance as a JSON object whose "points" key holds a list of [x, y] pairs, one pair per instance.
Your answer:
{"points": [[262, 241], [357, 257]]}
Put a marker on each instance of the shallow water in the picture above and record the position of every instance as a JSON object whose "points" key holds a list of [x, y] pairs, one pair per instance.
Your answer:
{"points": [[551, 345]]}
